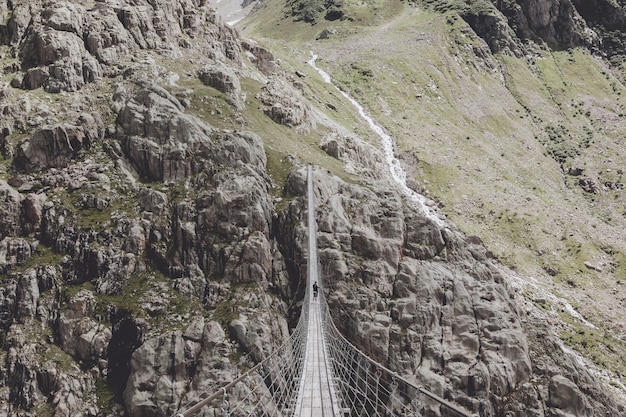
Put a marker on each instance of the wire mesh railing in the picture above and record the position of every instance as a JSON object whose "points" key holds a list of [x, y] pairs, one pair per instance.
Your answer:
{"points": [[269, 388], [367, 388]]}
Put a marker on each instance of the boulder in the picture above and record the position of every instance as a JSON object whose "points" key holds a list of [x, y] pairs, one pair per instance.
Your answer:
{"points": [[566, 397], [34, 78], [222, 78], [32, 211], [55, 146], [79, 334], [158, 138], [285, 106], [588, 185], [153, 201], [262, 58]]}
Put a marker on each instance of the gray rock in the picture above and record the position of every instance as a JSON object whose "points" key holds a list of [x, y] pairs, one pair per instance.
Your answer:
{"points": [[285, 106], [326, 34], [13, 252], [105, 36], [153, 201], [64, 17], [567, 398], [222, 78], [588, 185], [27, 296], [19, 21], [80, 335], [558, 25], [59, 53], [32, 210], [262, 58], [161, 368], [35, 78], [16, 82], [159, 138], [9, 210], [467, 321], [70, 390], [55, 146]]}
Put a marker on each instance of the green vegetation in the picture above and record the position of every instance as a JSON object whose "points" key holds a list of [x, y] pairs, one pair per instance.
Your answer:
{"points": [[43, 255], [55, 354], [561, 145], [315, 11], [597, 344], [179, 191], [87, 217], [226, 311], [283, 143], [105, 395], [573, 263], [134, 295], [311, 10], [620, 267], [44, 410], [208, 104]]}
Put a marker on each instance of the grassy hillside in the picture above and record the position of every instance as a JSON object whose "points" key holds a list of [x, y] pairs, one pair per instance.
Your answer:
{"points": [[526, 153]]}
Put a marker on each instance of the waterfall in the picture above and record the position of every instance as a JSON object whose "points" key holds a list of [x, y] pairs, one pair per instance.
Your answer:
{"points": [[386, 142]]}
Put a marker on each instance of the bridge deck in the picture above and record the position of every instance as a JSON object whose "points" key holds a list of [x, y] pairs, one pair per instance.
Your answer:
{"points": [[316, 396]]}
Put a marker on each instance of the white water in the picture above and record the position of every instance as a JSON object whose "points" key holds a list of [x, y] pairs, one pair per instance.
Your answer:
{"points": [[395, 169], [525, 282]]}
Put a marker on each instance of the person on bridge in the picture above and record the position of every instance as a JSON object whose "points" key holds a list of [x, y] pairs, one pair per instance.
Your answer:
{"points": [[315, 291]]}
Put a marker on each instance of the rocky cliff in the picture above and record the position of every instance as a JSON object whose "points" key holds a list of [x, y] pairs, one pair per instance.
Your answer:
{"points": [[152, 236]]}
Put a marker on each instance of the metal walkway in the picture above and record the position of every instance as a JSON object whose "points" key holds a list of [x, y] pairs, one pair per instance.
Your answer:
{"points": [[316, 396]]}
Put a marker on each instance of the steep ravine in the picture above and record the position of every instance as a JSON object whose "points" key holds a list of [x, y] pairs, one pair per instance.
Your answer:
{"points": [[152, 233], [484, 134]]}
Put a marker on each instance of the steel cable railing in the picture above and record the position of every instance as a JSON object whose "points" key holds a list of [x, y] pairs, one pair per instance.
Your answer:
{"points": [[367, 388], [269, 388]]}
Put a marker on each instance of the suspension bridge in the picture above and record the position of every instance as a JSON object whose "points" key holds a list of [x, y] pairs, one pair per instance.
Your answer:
{"points": [[317, 372]]}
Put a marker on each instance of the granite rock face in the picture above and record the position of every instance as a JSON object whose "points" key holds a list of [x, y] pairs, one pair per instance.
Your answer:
{"points": [[508, 26], [146, 242], [55, 146], [121, 205]]}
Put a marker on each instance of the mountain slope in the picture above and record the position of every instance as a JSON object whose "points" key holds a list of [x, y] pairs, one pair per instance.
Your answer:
{"points": [[522, 148], [152, 236]]}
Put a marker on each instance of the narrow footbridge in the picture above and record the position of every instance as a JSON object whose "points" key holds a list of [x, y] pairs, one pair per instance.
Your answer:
{"points": [[319, 373]]}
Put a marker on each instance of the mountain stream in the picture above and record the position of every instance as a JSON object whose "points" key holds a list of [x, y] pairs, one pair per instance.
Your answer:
{"points": [[386, 142], [399, 176]]}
